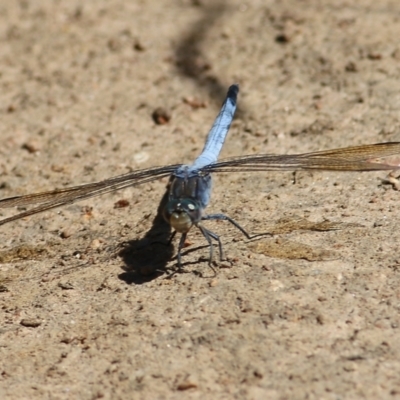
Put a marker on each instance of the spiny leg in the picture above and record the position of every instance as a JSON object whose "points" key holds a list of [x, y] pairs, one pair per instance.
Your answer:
{"points": [[180, 247], [224, 217], [173, 234], [221, 249], [208, 235]]}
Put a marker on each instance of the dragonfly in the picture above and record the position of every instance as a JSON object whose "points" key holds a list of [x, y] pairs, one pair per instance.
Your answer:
{"points": [[189, 187]]}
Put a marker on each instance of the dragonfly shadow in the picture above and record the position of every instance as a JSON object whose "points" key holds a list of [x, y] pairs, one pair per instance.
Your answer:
{"points": [[192, 61], [146, 259]]}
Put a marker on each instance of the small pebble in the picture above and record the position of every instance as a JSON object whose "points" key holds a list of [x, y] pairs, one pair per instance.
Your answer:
{"points": [[66, 233], [31, 147], [96, 243], [161, 116], [187, 243], [31, 322], [121, 203], [139, 46], [375, 56], [58, 168], [351, 67], [3, 289], [194, 103], [141, 157], [187, 384], [66, 285]]}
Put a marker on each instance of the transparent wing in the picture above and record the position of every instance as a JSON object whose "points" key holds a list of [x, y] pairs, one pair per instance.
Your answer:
{"points": [[371, 157], [56, 198], [216, 137]]}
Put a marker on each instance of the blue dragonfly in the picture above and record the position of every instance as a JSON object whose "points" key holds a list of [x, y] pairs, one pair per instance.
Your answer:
{"points": [[189, 187]]}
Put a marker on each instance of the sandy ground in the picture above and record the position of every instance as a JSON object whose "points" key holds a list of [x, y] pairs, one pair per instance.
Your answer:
{"points": [[88, 309]]}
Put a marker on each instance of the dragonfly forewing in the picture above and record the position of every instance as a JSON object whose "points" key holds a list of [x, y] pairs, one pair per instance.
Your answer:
{"points": [[59, 197], [372, 157]]}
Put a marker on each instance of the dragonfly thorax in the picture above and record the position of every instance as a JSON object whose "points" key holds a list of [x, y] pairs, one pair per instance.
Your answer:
{"points": [[182, 214]]}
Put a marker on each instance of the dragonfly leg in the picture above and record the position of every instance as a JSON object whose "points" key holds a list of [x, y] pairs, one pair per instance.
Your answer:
{"points": [[211, 235], [221, 250], [173, 234], [180, 247], [224, 217]]}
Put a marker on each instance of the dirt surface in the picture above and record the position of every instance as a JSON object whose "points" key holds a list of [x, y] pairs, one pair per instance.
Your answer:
{"points": [[90, 306]]}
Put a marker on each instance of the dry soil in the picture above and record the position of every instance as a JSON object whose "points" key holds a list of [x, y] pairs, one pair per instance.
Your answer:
{"points": [[90, 304]]}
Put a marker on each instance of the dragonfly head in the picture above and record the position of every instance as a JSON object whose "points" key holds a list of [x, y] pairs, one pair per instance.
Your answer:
{"points": [[182, 214]]}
